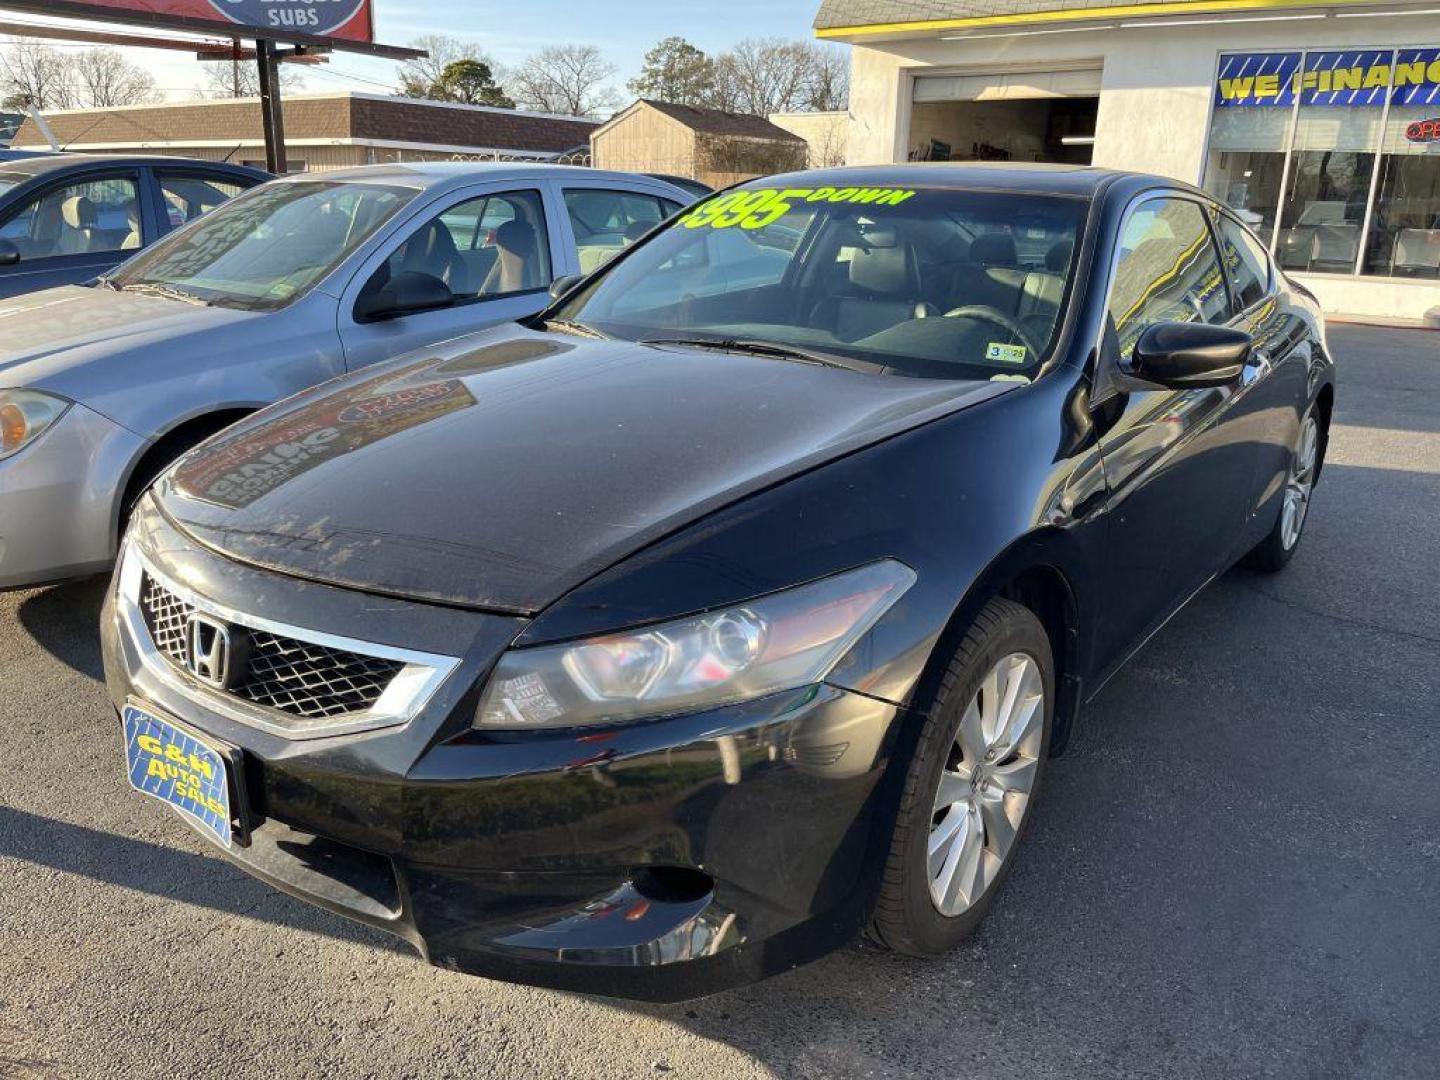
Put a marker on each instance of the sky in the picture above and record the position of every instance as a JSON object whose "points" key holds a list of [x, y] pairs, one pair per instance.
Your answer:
{"points": [[511, 31]]}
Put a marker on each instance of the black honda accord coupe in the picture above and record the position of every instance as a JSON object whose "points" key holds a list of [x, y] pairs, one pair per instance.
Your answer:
{"points": [[735, 603]]}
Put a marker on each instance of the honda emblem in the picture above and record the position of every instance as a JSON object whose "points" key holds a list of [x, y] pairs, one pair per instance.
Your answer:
{"points": [[208, 651]]}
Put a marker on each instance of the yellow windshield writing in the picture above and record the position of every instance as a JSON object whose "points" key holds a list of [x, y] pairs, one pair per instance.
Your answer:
{"points": [[754, 208]]}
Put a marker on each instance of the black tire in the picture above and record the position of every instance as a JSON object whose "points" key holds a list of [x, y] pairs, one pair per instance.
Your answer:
{"points": [[1272, 554], [905, 918]]}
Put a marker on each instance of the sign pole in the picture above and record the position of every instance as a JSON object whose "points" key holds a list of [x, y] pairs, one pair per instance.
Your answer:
{"points": [[272, 118]]}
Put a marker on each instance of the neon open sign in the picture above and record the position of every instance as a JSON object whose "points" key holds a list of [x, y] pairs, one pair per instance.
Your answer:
{"points": [[1423, 131]]}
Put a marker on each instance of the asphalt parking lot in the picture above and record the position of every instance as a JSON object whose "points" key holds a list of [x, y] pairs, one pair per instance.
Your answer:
{"points": [[1235, 870]]}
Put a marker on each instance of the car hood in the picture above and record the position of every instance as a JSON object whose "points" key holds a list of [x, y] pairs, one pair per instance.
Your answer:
{"points": [[500, 471], [45, 336]]}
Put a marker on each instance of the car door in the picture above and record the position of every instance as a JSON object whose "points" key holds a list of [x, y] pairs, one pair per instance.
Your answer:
{"points": [[606, 216], [1274, 385], [493, 246], [1178, 471], [184, 193], [73, 229]]}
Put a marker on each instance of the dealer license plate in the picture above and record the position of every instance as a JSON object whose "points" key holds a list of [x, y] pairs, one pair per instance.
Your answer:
{"points": [[180, 768]]}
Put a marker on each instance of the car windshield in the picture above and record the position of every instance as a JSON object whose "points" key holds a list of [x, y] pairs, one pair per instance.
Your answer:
{"points": [[263, 249], [928, 282]]}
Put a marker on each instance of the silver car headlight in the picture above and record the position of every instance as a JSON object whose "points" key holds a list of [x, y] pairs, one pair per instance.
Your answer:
{"points": [[24, 416], [777, 642]]}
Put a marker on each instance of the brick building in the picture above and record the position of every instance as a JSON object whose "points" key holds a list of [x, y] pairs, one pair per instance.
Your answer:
{"points": [[322, 131]]}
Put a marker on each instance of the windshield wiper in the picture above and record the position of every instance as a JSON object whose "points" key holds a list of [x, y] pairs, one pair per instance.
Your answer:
{"points": [[156, 288], [757, 348], [103, 282], [570, 326]]}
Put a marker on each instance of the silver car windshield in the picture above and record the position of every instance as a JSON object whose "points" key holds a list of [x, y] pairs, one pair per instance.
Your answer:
{"points": [[265, 248], [934, 283]]}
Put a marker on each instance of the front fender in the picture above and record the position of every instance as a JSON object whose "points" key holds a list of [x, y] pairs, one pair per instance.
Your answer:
{"points": [[969, 502]]}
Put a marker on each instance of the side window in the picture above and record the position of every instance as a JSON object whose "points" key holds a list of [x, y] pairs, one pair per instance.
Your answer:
{"points": [[1168, 271], [188, 197], [606, 221], [87, 218], [1246, 262], [493, 245]]}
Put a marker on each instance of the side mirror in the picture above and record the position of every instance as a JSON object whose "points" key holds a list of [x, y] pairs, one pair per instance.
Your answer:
{"points": [[1187, 356], [9, 253], [561, 285], [407, 293]]}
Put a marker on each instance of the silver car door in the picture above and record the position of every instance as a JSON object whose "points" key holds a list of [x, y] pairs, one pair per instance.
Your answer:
{"points": [[494, 245]]}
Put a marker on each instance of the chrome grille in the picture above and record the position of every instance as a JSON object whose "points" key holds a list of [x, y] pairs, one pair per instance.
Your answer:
{"points": [[282, 673], [165, 616]]}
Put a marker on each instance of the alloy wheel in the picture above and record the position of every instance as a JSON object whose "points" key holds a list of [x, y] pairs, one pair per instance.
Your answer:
{"points": [[985, 787], [1300, 483]]}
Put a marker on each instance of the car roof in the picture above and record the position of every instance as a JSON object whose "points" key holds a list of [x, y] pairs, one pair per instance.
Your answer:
{"points": [[1081, 180], [441, 174], [48, 163]]}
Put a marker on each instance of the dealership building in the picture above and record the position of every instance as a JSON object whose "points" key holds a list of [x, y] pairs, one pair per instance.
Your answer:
{"points": [[1319, 124]]}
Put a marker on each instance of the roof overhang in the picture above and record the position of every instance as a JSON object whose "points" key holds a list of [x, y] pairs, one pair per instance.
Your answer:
{"points": [[1106, 14]]}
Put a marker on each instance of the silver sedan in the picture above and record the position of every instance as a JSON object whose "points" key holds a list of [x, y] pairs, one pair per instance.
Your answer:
{"points": [[302, 279]]}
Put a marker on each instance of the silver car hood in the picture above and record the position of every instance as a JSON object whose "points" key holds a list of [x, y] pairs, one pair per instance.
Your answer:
{"points": [[84, 343]]}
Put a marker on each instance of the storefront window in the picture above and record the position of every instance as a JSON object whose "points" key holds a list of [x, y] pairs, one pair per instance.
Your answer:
{"points": [[1333, 161], [1294, 145], [1248, 135], [1404, 238]]}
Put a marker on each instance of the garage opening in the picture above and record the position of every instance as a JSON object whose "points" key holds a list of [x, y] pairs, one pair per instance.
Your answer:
{"points": [[1012, 116]]}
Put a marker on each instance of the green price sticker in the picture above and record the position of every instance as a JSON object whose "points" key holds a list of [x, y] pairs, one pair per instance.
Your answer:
{"points": [[754, 208]]}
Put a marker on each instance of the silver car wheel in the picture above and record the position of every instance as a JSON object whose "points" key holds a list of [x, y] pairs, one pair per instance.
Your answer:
{"points": [[984, 790], [1300, 483]]}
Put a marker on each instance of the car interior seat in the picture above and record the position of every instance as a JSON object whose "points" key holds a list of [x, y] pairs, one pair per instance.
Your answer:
{"points": [[882, 289], [432, 251], [1041, 290], [992, 277], [131, 240], [78, 227], [45, 229], [517, 263]]}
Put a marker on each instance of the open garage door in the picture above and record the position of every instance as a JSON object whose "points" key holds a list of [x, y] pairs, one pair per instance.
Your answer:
{"points": [[1046, 115]]}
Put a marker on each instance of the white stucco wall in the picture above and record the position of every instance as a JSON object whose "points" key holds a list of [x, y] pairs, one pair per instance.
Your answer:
{"points": [[826, 134], [1154, 112]]}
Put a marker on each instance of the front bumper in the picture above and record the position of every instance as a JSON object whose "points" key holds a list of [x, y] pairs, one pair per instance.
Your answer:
{"points": [[59, 499], [660, 860]]}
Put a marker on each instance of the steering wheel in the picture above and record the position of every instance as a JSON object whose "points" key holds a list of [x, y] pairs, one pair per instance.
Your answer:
{"points": [[996, 317]]}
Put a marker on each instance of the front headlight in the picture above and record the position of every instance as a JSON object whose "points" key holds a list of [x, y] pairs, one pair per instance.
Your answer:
{"points": [[24, 415], [777, 642]]}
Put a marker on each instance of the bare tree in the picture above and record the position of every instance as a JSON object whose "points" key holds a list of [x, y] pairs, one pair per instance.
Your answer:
{"points": [[34, 73], [419, 77], [762, 76], [241, 79], [770, 75], [827, 82], [104, 79], [566, 79]]}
